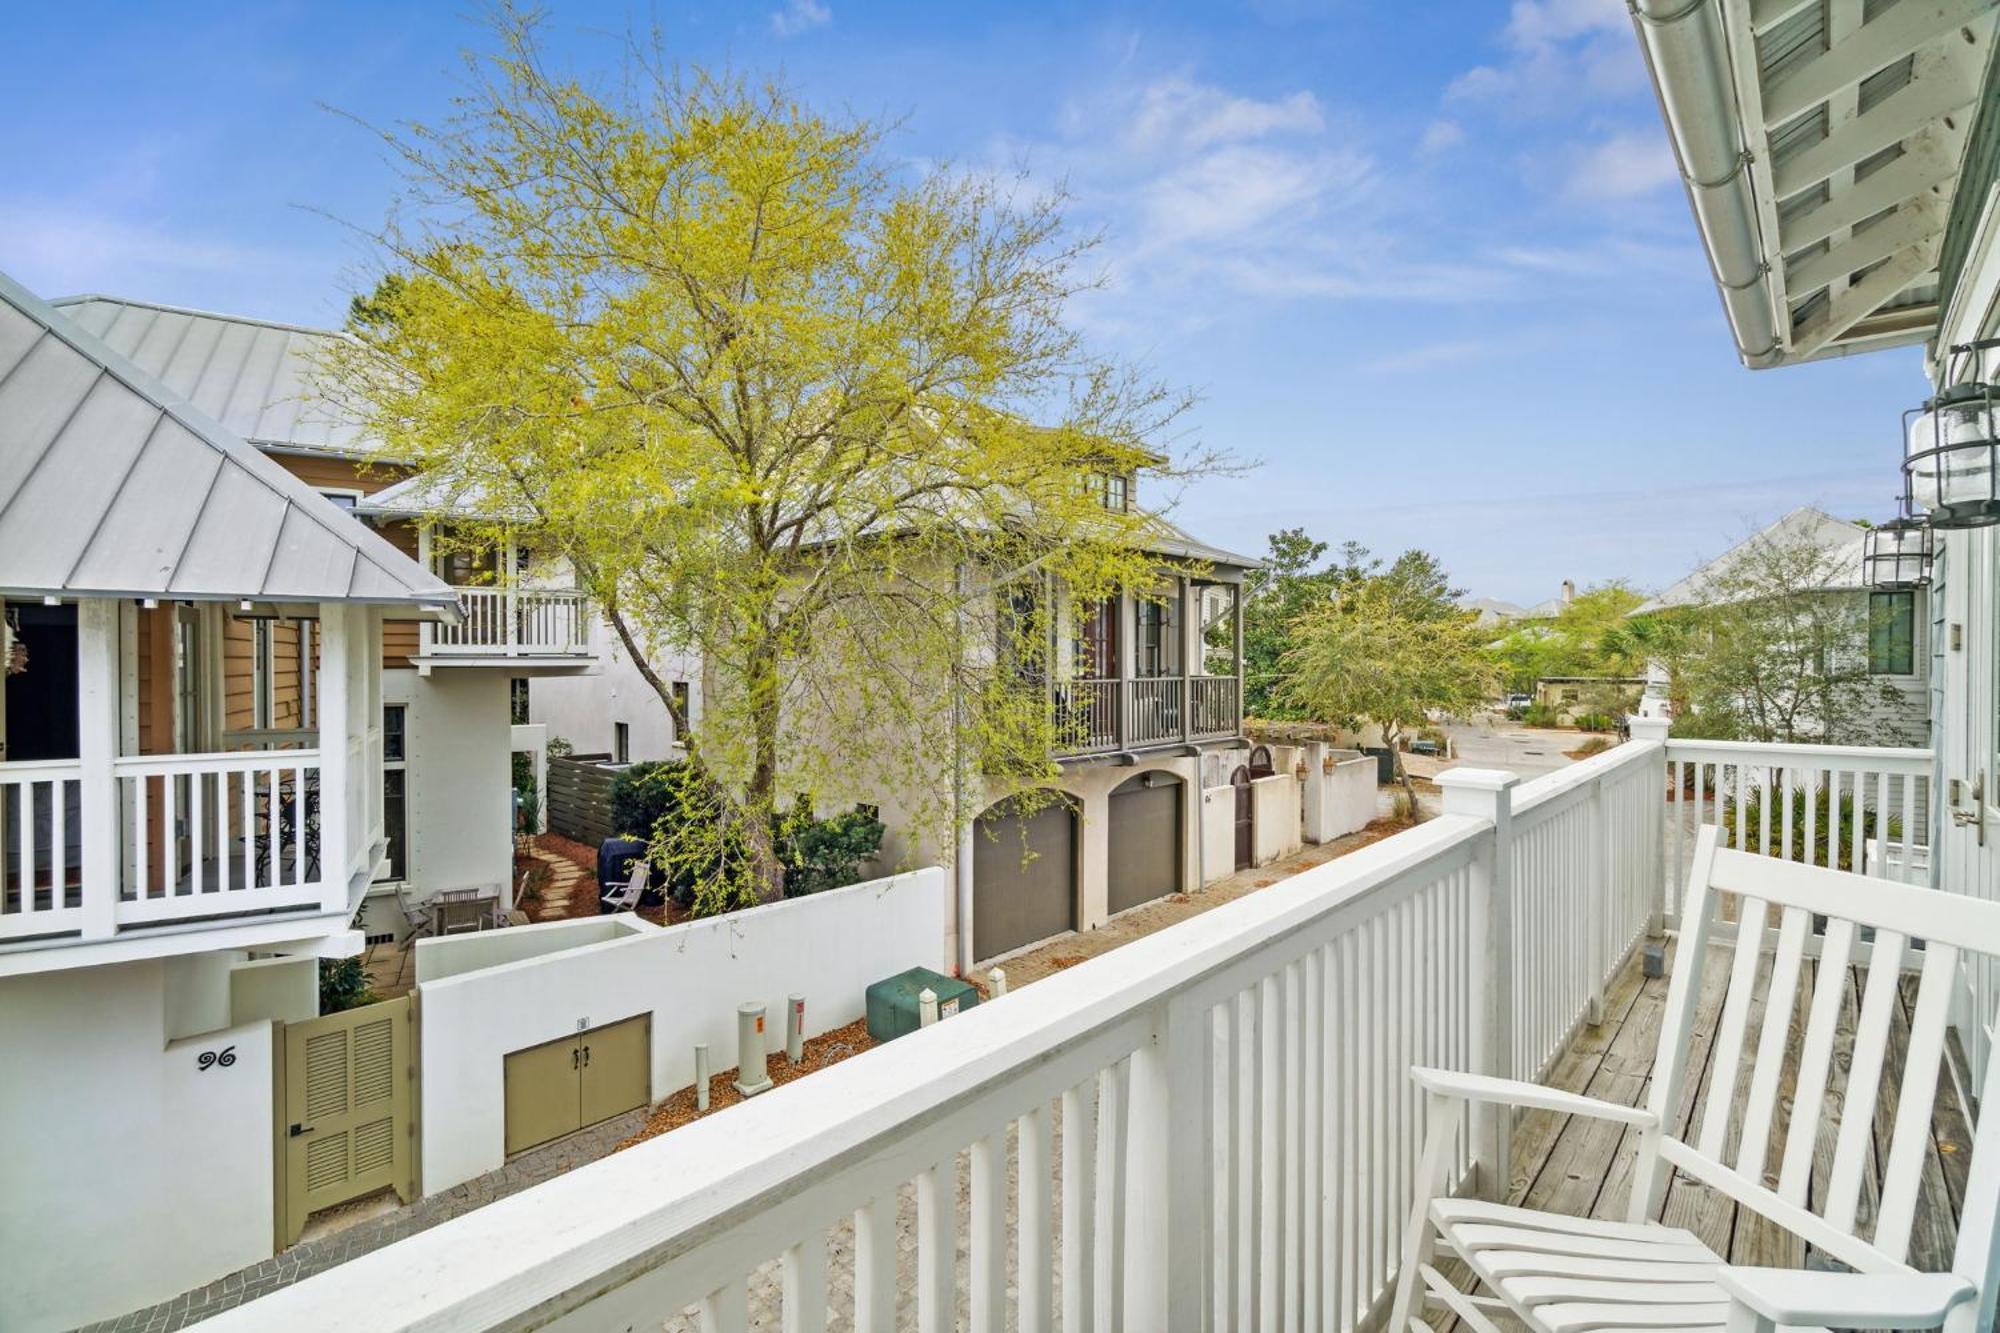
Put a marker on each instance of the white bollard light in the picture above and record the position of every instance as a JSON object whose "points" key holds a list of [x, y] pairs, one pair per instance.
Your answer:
{"points": [[751, 1076], [926, 1007], [996, 983], [701, 1076], [795, 1028]]}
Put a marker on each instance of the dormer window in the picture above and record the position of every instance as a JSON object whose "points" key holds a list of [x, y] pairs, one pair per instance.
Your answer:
{"points": [[1113, 490]]}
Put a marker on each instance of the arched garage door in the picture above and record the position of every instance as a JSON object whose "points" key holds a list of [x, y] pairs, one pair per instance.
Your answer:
{"points": [[1023, 875], [1144, 828]]}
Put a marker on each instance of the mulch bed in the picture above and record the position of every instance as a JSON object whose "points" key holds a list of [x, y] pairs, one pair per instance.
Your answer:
{"points": [[829, 1048]]}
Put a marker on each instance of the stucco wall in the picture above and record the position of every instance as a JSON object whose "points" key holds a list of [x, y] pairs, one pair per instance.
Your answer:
{"points": [[1340, 801], [1274, 805], [458, 748], [1218, 815], [282, 989], [690, 978], [132, 1173], [583, 709]]}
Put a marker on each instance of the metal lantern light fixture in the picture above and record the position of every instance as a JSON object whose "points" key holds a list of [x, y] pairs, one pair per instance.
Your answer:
{"points": [[1951, 460], [1897, 555]]}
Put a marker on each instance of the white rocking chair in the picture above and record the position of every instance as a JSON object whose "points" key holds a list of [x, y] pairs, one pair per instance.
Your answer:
{"points": [[1558, 1274]]}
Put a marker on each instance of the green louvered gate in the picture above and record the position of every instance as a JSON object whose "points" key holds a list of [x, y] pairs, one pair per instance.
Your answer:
{"points": [[349, 1114]]}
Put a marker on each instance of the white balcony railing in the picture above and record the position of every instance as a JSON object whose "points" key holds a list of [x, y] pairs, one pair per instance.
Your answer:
{"points": [[514, 622], [1209, 1127], [218, 834], [41, 848], [195, 836]]}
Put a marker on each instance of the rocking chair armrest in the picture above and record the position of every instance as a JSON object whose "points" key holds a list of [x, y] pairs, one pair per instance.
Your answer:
{"points": [[1791, 1296], [1533, 1096]]}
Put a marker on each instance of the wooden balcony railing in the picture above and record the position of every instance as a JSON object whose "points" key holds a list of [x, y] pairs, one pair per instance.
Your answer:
{"points": [[1101, 716]]}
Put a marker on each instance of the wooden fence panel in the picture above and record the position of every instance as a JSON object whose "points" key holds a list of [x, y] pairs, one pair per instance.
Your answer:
{"points": [[580, 798]]}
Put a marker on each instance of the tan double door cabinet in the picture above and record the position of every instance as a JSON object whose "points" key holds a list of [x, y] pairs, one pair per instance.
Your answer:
{"points": [[561, 1086]]}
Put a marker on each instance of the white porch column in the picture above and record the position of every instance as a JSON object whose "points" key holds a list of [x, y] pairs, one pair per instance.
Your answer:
{"points": [[1488, 793], [97, 745], [338, 644]]}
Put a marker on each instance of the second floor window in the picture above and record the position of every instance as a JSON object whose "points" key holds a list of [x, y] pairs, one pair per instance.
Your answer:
{"points": [[1892, 633], [1096, 647], [517, 700], [1113, 490], [682, 706], [621, 742], [1159, 638]]}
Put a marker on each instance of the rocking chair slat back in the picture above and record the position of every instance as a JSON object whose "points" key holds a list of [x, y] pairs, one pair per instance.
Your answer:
{"points": [[1912, 928]]}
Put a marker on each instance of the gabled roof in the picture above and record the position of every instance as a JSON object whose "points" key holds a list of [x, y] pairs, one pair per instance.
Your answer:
{"points": [[1840, 540], [111, 484], [253, 376]]}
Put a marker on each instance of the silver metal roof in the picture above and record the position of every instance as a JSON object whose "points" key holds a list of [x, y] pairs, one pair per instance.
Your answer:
{"points": [[254, 376], [113, 485], [1839, 540]]}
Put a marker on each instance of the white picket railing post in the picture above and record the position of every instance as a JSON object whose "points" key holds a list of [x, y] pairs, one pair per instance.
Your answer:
{"points": [[102, 846], [337, 642], [1655, 729], [1166, 1198], [1488, 794], [1597, 899]]}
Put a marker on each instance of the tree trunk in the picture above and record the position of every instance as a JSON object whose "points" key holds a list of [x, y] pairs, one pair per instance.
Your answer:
{"points": [[1392, 735], [760, 794]]}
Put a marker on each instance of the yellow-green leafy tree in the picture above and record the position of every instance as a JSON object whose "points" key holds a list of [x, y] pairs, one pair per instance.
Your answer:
{"points": [[778, 400], [1375, 654]]}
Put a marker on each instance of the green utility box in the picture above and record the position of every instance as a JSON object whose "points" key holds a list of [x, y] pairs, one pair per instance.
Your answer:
{"points": [[892, 1003]]}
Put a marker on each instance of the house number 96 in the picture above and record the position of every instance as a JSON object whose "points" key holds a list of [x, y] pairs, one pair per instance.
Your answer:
{"points": [[209, 1059]]}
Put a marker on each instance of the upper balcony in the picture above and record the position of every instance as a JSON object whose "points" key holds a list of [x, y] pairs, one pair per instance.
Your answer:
{"points": [[1215, 1127], [533, 631], [1096, 717], [191, 780]]}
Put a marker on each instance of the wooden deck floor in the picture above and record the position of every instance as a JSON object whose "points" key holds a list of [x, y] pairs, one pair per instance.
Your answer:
{"points": [[1584, 1167]]}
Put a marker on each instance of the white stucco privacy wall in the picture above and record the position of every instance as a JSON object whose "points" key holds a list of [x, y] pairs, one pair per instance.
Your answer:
{"points": [[827, 947], [135, 1171], [1340, 797], [1274, 806], [1218, 833]]}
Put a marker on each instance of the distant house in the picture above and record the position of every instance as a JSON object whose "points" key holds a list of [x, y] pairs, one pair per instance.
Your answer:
{"points": [[1892, 628], [1490, 612], [1571, 697]]}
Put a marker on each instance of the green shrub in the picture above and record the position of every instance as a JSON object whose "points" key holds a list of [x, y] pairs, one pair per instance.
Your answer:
{"points": [[343, 984], [1597, 722], [1540, 715], [823, 854], [682, 815], [1821, 800]]}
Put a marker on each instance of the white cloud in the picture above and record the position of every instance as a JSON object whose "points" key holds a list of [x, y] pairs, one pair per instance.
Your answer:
{"points": [[1622, 167], [800, 16], [72, 248], [1441, 136], [1242, 190], [1559, 54], [1176, 111]]}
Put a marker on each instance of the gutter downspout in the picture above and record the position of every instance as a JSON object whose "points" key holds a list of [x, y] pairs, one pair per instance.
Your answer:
{"points": [[1688, 55]]}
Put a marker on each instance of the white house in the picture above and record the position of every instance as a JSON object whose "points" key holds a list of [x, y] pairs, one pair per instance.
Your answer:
{"points": [[178, 854], [450, 692], [1891, 626]]}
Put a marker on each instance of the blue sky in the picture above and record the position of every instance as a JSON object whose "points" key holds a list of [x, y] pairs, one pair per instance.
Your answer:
{"points": [[1429, 265]]}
